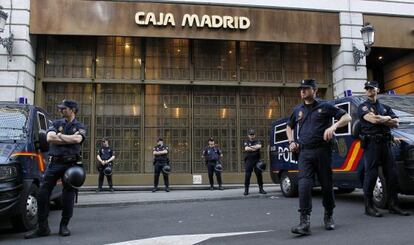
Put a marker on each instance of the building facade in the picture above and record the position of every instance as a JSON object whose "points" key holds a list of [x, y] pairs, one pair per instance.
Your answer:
{"points": [[189, 70]]}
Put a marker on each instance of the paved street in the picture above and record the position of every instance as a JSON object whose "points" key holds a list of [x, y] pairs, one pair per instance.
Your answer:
{"points": [[265, 219]]}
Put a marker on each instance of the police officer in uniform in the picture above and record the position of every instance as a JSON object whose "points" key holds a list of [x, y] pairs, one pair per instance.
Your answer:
{"points": [[160, 152], [313, 120], [105, 158], [65, 137], [212, 155], [252, 148], [376, 121]]}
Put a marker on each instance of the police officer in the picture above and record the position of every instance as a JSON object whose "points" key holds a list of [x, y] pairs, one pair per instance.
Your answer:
{"points": [[65, 137], [376, 121], [160, 152], [252, 148], [105, 158], [313, 121], [212, 155]]}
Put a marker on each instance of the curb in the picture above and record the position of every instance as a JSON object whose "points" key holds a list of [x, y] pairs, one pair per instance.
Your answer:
{"points": [[202, 199], [172, 187]]}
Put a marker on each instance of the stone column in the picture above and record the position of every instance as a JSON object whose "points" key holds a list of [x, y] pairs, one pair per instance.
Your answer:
{"points": [[344, 74], [17, 77]]}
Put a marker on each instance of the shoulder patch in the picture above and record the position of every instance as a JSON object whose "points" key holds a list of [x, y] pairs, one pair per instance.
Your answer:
{"points": [[82, 131], [365, 108], [319, 110], [60, 129]]}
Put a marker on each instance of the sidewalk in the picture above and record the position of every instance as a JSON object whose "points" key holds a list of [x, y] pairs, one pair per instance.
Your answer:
{"points": [[128, 195]]}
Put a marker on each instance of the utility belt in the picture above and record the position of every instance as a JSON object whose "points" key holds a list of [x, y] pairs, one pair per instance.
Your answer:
{"points": [[375, 138], [65, 159], [212, 161], [315, 145]]}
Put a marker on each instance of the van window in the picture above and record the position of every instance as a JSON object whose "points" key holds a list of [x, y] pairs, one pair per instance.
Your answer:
{"points": [[42, 120], [13, 123], [280, 134], [345, 130]]}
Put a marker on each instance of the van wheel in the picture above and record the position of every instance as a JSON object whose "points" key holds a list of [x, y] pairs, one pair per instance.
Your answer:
{"points": [[289, 184], [27, 217], [380, 191], [344, 190]]}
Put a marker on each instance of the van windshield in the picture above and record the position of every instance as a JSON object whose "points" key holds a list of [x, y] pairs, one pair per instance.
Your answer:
{"points": [[12, 124], [403, 106]]}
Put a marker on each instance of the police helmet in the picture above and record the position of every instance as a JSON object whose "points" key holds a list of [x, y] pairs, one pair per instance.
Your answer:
{"points": [[74, 176], [218, 167], [107, 170], [166, 169], [261, 166]]}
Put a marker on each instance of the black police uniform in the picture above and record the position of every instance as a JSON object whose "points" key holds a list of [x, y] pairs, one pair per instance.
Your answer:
{"points": [[61, 158], [251, 158], [105, 153], [376, 141], [212, 158], [159, 162], [315, 153]]}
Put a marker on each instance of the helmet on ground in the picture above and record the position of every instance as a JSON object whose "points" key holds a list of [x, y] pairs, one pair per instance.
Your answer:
{"points": [[74, 176]]}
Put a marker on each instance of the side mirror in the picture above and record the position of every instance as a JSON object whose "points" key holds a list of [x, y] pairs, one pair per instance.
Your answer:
{"points": [[356, 129], [43, 144]]}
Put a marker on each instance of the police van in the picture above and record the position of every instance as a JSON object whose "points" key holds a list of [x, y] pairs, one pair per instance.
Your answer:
{"points": [[347, 161], [22, 163]]}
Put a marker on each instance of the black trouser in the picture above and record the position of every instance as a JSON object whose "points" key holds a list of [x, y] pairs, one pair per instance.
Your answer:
{"points": [[157, 170], [315, 161], [250, 167], [54, 172], [101, 177], [380, 154], [211, 167]]}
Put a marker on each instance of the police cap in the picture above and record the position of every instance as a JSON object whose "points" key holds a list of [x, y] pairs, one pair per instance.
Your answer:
{"points": [[160, 139], [371, 84], [211, 139], [308, 83], [251, 132], [68, 104]]}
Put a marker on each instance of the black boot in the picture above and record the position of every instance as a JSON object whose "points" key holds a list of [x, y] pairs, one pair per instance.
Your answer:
{"points": [[329, 221], [155, 189], [42, 230], [395, 209], [221, 187], [304, 226], [167, 189], [63, 228], [370, 209], [261, 191], [246, 191]]}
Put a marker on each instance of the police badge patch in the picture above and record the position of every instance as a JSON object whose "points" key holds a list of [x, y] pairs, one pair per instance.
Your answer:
{"points": [[60, 129], [320, 110], [365, 108], [300, 115]]}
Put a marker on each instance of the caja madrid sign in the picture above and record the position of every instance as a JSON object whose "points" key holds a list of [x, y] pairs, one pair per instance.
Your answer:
{"points": [[190, 20]]}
